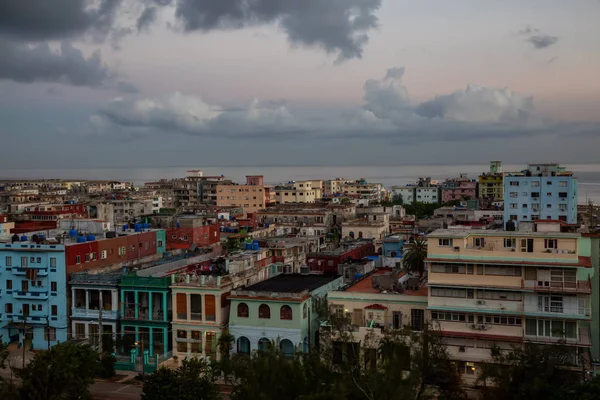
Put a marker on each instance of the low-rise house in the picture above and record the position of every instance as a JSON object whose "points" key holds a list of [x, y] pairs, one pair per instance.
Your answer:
{"points": [[327, 262], [392, 250], [279, 311]]}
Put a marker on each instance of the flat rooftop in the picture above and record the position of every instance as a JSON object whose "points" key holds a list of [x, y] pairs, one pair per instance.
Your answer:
{"points": [[344, 248], [291, 283], [365, 285]]}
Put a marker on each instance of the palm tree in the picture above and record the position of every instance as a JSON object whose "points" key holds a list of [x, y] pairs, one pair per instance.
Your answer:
{"points": [[414, 257]]}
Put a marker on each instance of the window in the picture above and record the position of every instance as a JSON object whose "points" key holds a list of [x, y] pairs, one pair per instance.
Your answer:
{"points": [[32, 260], [77, 259], [524, 206], [510, 243], [535, 195], [52, 262], [550, 243], [448, 268], [498, 295], [563, 184], [562, 207], [53, 286], [87, 257], [535, 184], [514, 183], [514, 194], [54, 310], [445, 242], [181, 334], [417, 319], [285, 312], [305, 311], [513, 206], [527, 245], [448, 292], [478, 242], [49, 334], [264, 312], [24, 262], [8, 284], [502, 270], [8, 261], [242, 310], [93, 256], [8, 308], [103, 255]]}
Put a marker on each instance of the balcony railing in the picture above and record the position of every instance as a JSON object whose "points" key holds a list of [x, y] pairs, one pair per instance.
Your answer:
{"points": [[583, 338], [30, 295], [144, 315], [87, 313], [567, 287]]}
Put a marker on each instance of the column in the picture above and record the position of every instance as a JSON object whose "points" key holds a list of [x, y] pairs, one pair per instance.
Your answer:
{"points": [[136, 305], [87, 301], [165, 316], [122, 303], [165, 343], [150, 317], [115, 300], [151, 344], [188, 307]]}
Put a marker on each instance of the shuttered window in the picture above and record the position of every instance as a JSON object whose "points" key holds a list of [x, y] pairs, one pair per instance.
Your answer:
{"points": [[181, 306], [210, 307]]}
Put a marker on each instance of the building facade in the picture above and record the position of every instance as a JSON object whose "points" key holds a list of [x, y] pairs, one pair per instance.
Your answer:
{"points": [[499, 288], [490, 186], [542, 191], [461, 188], [33, 298]]}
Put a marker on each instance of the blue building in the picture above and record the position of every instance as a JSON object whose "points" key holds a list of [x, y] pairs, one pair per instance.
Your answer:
{"points": [[542, 191], [33, 296], [391, 250]]}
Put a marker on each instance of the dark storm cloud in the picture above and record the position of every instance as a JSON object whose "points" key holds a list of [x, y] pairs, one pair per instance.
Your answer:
{"points": [[337, 26], [146, 19], [55, 19], [22, 63], [542, 41]]}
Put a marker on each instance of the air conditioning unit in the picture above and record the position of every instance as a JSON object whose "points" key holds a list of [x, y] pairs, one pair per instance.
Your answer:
{"points": [[462, 349], [480, 302], [474, 326]]}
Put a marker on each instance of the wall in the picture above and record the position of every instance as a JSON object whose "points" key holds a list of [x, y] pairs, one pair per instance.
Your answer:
{"points": [[250, 197], [183, 238]]}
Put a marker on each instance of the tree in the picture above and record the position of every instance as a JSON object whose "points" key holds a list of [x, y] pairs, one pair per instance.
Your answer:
{"points": [[225, 345], [65, 371], [193, 380], [533, 372], [414, 257]]}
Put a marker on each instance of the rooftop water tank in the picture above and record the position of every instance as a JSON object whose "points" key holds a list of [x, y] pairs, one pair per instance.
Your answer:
{"points": [[90, 238], [23, 238], [138, 227], [42, 236], [145, 225], [255, 246], [125, 227], [177, 225], [248, 246], [73, 233], [80, 239]]}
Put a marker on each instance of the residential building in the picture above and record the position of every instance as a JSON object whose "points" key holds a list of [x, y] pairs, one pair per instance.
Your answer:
{"points": [[196, 189], [251, 196], [33, 297], [462, 214], [424, 191], [392, 250], [461, 188], [279, 311], [371, 226], [327, 262], [372, 192], [201, 311], [377, 303], [355, 269], [509, 288], [491, 184], [296, 192], [94, 302], [146, 316], [298, 219], [542, 191], [333, 187], [192, 232]]}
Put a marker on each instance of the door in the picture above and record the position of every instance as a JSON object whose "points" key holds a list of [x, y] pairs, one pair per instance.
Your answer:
{"points": [[397, 320], [357, 317], [24, 286], [25, 310]]}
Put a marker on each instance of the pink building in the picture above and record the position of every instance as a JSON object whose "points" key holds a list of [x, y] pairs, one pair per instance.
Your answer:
{"points": [[461, 188]]}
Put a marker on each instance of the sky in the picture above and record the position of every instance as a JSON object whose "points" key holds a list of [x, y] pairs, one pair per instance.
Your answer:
{"points": [[150, 83]]}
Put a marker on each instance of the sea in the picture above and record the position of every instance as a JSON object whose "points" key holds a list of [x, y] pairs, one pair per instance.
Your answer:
{"points": [[588, 175]]}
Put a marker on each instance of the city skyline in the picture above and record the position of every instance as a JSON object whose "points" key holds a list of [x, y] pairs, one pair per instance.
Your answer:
{"points": [[163, 83]]}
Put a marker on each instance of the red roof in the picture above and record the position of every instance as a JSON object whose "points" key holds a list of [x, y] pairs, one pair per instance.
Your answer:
{"points": [[376, 307]]}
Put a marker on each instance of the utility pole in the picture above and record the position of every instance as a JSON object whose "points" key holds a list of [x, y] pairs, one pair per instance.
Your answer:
{"points": [[100, 337]]}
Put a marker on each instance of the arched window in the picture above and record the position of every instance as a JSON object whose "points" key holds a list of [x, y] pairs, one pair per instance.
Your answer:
{"points": [[351, 234], [287, 347], [242, 310], [305, 311], [264, 311], [243, 345], [360, 234], [285, 312], [264, 344]]}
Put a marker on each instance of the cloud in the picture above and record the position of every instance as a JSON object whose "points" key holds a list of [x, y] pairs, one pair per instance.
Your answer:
{"points": [[36, 20], [473, 113], [146, 19], [39, 63], [337, 26], [542, 41], [538, 39], [478, 104]]}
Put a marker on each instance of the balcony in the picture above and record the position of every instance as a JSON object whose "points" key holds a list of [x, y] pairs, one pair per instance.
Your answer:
{"points": [[472, 354], [583, 338], [93, 314], [144, 315], [23, 271], [584, 287], [30, 295]]}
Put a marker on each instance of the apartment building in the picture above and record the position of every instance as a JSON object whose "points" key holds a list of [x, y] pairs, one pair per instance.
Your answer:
{"points": [[196, 189], [298, 220], [251, 196], [424, 191], [372, 192], [371, 226], [491, 184], [503, 288], [332, 187], [297, 192], [542, 191], [461, 188]]}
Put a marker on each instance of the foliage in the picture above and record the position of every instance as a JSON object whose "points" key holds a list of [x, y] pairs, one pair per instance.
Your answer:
{"points": [[193, 380], [414, 257], [225, 345], [107, 366], [422, 210], [589, 390], [65, 371], [535, 372]]}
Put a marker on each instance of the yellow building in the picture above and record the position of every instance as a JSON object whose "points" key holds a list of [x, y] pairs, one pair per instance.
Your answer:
{"points": [[297, 192], [501, 288], [250, 197]]}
